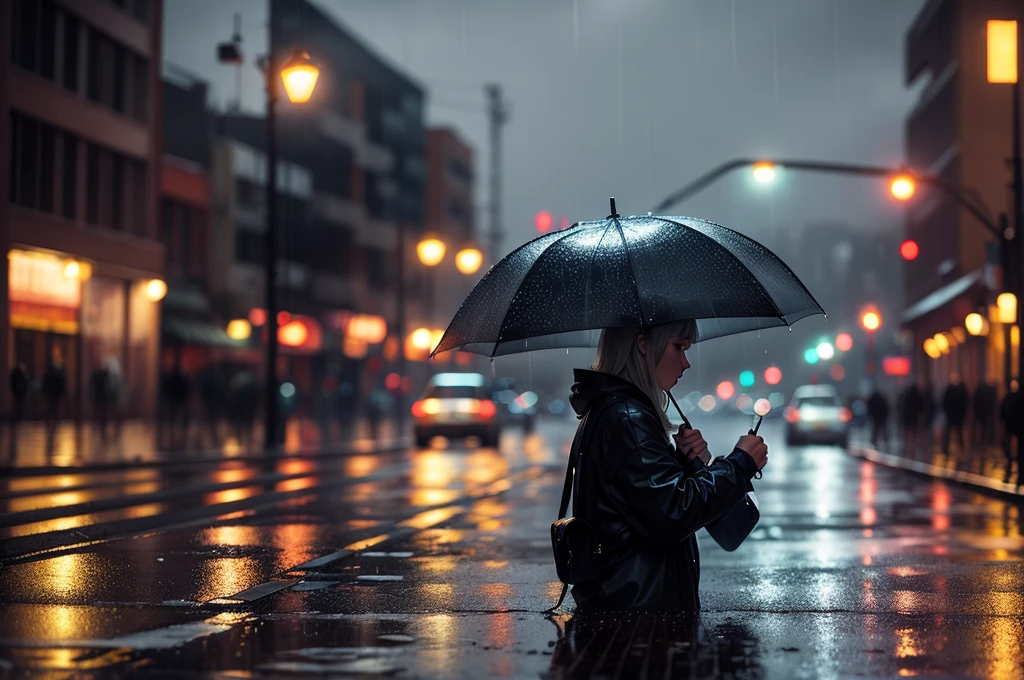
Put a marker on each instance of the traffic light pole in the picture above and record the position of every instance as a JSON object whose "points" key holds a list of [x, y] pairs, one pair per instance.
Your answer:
{"points": [[978, 211]]}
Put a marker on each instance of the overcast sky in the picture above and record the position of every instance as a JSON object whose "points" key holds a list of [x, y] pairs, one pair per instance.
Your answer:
{"points": [[632, 98]]}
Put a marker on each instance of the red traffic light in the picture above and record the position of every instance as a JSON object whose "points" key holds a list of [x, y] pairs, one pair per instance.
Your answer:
{"points": [[909, 250], [543, 221]]}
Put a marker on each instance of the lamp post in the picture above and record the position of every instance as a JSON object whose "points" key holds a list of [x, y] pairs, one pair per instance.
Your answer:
{"points": [[299, 76], [1002, 62], [870, 321]]}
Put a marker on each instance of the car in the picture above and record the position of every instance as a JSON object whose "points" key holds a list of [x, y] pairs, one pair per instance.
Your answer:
{"points": [[515, 407], [816, 413], [456, 405]]}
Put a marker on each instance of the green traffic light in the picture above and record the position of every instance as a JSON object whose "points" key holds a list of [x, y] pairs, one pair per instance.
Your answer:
{"points": [[811, 356], [747, 378]]}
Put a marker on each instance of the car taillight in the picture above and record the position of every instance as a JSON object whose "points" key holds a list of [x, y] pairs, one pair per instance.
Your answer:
{"points": [[417, 410], [845, 415], [791, 414], [488, 409]]}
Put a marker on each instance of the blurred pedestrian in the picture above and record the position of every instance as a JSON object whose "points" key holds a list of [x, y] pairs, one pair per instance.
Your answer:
{"points": [[954, 406], [984, 409], [878, 414], [911, 409], [244, 401], [176, 391], [19, 391], [928, 410], [100, 398], [55, 386], [213, 391], [115, 392], [1011, 412]]}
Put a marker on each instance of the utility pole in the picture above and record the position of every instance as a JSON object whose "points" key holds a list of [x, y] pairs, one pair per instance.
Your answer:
{"points": [[498, 115]]}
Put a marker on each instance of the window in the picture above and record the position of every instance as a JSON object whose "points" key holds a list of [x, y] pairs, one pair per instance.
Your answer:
{"points": [[121, 57], [92, 184], [47, 39], [117, 192], [47, 144], [26, 36], [117, 77], [69, 182], [140, 88], [333, 169], [71, 31], [138, 191], [93, 65]]}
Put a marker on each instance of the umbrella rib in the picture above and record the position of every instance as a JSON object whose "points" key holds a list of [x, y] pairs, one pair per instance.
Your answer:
{"points": [[632, 272], [780, 260], [733, 255]]}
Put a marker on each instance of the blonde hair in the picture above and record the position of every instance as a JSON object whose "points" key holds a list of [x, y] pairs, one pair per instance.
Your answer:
{"points": [[618, 354]]}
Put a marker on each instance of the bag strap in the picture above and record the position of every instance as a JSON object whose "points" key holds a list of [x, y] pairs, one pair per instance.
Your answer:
{"points": [[574, 452]]}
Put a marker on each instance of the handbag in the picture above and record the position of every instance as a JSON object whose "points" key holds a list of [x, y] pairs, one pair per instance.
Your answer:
{"points": [[732, 528], [577, 552]]}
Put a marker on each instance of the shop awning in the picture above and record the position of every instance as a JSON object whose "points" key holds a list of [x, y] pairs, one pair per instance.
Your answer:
{"points": [[199, 332], [942, 296]]}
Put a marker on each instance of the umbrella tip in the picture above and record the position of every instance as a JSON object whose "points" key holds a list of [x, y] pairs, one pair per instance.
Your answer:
{"points": [[613, 214]]}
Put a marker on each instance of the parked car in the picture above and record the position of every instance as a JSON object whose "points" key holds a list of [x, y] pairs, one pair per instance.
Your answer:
{"points": [[816, 414], [515, 407], [456, 405]]}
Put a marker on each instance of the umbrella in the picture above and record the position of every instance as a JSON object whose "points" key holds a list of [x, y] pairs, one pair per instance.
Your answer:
{"points": [[562, 288]]}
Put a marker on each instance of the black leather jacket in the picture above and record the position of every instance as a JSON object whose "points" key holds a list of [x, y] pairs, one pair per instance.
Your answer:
{"points": [[643, 503]]}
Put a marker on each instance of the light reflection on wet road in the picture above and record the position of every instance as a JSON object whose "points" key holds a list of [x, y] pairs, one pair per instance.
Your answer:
{"points": [[440, 564]]}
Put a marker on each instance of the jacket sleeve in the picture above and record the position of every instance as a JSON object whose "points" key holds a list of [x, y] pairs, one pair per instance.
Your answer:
{"points": [[660, 498]]}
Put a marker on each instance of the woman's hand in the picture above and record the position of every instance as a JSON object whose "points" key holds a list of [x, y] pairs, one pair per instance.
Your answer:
{"points": [[691, 444], [755, 447]]}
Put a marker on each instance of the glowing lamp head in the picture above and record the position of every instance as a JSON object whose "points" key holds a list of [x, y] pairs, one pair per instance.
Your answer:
{"points": [[299, 75], [1006, 303], [871, 321], [156, 289], [430, 250], [468, 260], [239, 329], [902, 187], [975, 323], [764, 173]]}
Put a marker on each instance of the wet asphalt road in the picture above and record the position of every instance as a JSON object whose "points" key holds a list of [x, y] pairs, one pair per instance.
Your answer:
{"points": [[436, 563]]}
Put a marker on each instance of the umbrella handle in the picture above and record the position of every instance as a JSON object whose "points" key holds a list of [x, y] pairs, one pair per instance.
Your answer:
{"points": [[686, 420]]}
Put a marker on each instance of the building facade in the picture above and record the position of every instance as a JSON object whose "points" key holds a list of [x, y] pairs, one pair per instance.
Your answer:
{"points": [[960, 130], [80, 143]]}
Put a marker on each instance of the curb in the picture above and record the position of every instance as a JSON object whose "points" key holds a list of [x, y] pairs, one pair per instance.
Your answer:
{"points": [[973, 481]]}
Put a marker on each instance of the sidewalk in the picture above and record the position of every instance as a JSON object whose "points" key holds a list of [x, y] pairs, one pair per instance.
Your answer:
{"points": [[72, 443], [980, 471]]}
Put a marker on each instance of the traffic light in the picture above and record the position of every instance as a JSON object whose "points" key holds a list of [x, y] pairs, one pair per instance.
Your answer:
{"points": [[543, 221], [909, 250], [747, 378], [772, 375], [811, 355]]}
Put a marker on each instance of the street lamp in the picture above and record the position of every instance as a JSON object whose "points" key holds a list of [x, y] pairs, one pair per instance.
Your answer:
{"points": [[298, 75], [764, 173], [902, 187], [871, 321], [468, 259], [430, 250], [1002, 58]]}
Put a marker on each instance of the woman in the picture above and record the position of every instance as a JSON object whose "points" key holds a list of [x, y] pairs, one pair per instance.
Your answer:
{"points": [[643, 501]]}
